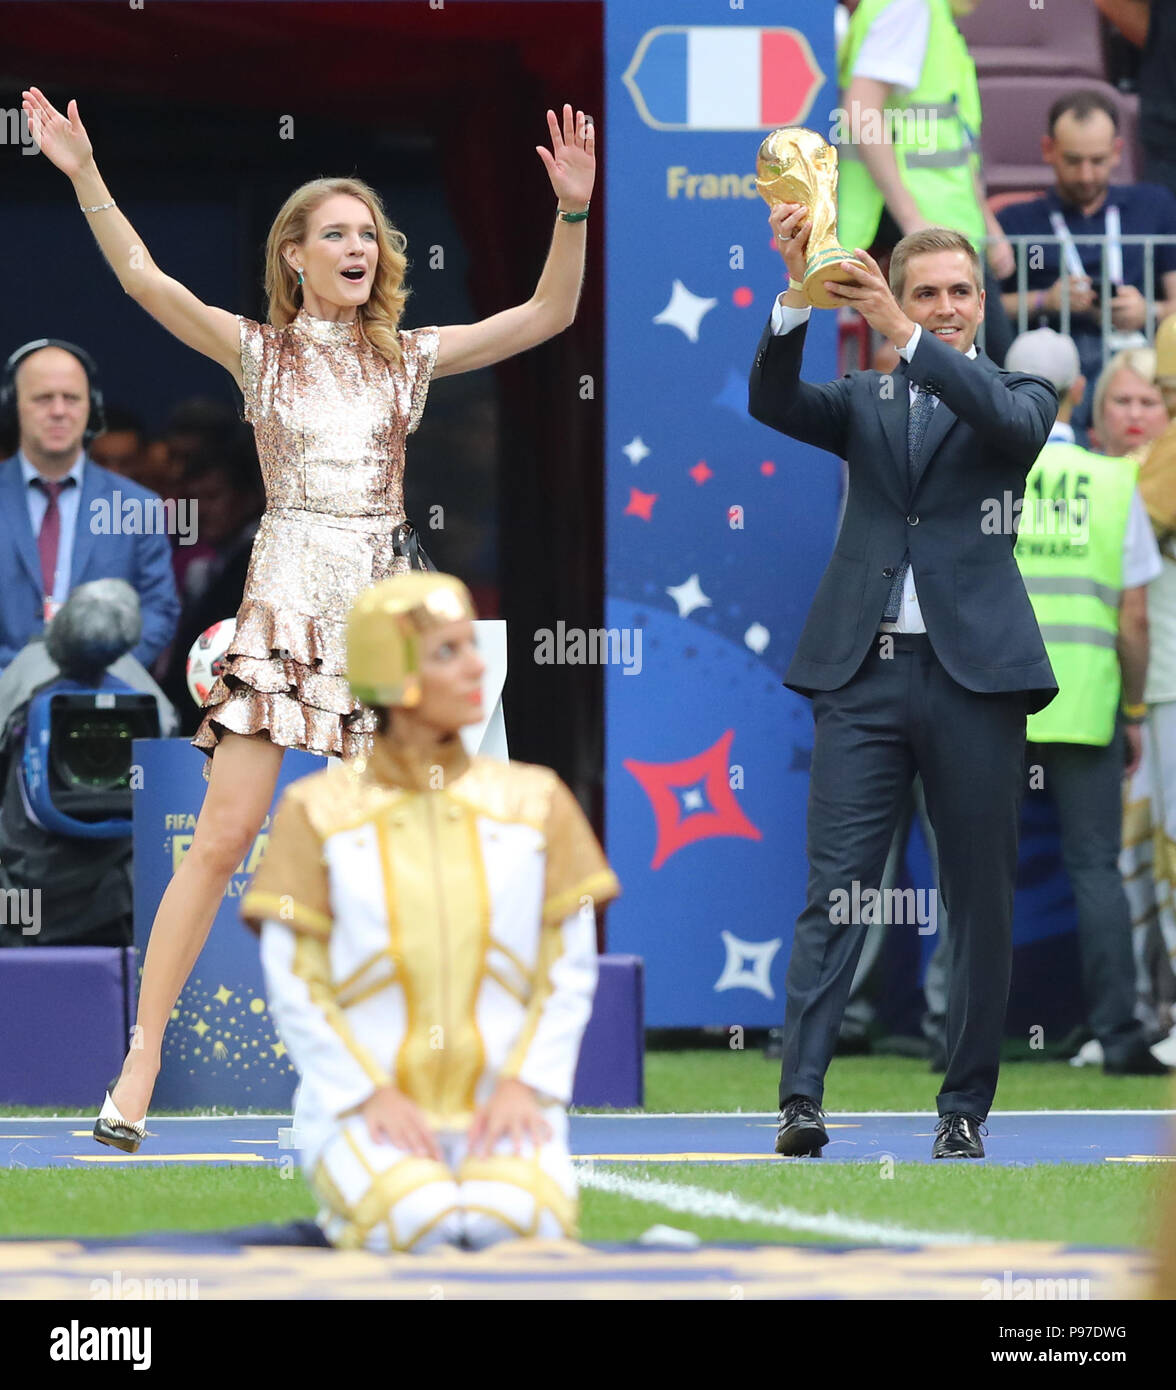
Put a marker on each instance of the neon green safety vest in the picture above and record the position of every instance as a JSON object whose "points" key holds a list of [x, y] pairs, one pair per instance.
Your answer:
{"points": [[935, 132], [1070, 550]]}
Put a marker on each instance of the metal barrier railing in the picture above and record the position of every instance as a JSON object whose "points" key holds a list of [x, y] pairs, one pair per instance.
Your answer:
{"points": [[1111, 336]]}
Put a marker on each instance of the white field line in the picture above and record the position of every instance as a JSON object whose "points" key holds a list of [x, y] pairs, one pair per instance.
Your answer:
{"points": [[835, 1114], [614, 1115], [701, 1201]]}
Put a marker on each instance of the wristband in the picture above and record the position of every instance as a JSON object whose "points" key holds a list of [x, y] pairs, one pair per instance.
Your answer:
{"points": [[575, 216], [1135, 714]]}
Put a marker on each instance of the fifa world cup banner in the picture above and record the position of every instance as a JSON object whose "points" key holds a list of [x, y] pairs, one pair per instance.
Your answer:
{"points": [[718, 528]]}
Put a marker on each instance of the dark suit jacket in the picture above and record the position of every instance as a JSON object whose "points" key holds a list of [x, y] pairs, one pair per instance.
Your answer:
{"points": [[983, 438], [143, 561]]}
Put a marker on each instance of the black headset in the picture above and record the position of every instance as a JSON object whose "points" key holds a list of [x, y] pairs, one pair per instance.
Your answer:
{"points": [[8, 413]]}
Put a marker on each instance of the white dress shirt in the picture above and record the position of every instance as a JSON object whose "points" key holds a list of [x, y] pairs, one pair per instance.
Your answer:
{"points": [[68, 502], [910, 616]]}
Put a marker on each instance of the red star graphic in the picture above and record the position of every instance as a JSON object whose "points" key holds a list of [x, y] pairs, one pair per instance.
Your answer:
{"points": [[640, 503], [674, 831], [700, 472], [767, 468]]}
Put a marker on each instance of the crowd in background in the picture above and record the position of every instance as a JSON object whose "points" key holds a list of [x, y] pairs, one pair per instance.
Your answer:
{"points": [[1089, 284]]}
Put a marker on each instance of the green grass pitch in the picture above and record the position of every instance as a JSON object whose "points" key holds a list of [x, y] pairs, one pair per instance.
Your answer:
{"points": [[1109, 1204]]}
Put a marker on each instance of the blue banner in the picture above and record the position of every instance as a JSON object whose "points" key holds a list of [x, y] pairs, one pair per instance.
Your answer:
{"points": [[718, 529], [220, 1047]]}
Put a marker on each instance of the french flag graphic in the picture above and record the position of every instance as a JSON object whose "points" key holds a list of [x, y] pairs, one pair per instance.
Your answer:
{"points": [[711, 77]]}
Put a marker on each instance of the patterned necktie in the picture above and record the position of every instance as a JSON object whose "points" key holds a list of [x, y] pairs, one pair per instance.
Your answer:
{"points": [[920, 415], [50, 533]]}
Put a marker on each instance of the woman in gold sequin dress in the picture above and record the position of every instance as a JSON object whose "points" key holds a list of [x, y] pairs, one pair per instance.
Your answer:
{"points": [[333, 387]]}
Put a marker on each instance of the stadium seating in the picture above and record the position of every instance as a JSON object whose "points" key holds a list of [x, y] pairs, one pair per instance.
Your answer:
{"points": [[1011, 37], [1015, 110]]}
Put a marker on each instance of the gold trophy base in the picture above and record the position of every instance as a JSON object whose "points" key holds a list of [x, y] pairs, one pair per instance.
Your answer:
{"points": [[825, 268]]}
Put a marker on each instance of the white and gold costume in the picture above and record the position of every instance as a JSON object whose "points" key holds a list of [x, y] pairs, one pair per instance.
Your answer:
{"points": [[431, 927]]}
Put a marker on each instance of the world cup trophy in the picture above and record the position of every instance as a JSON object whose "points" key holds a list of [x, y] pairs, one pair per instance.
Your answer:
{"points": [[796, 165]]}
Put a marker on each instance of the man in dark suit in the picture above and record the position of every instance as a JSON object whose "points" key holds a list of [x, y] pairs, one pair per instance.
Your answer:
{"points": [[935, 679], [64, 520]]}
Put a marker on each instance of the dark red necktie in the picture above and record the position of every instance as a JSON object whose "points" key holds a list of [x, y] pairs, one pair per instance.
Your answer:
{"points": [[50, 533]]}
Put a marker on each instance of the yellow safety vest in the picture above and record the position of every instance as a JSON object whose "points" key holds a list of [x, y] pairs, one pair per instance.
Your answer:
{"points": [[1070, 552], [935, 132]]}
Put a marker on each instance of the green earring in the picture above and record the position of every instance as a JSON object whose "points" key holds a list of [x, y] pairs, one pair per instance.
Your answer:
{"points": [[301, 281]]}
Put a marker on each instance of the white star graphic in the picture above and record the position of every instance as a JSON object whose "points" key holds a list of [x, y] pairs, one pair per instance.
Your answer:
{"points": [[685, 310], [636, 450], [688, 596], [748, 965], [692, 800], [757, 637]]}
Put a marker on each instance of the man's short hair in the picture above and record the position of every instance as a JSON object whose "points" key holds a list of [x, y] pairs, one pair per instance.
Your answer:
{"points": [[930, 239], [1082, 105]]}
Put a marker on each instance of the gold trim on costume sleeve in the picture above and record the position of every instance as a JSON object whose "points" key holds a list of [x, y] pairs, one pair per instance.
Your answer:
{"points": [[513, 956], [368, 991], [292, 869], [551, 948], [311, 965], [258, 905], [601, 887], [575, 865], [503, 983]]}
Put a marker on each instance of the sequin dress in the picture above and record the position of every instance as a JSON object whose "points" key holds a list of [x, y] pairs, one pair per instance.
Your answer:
{"points": [[331, 417]]}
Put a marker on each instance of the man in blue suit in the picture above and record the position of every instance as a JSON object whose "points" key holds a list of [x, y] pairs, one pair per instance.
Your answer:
{"points": [[65, 520], [935, 679]]}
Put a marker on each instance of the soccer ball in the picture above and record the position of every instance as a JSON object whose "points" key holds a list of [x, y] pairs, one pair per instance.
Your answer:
{"points": [[207, 657]]}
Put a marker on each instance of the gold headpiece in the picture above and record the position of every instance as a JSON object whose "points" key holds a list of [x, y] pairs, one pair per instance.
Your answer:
{"points": [[384, 629]]}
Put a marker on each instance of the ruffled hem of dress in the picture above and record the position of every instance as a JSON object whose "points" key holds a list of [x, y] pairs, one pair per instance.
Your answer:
{"points": [[284, 719], [263, 631], [276, 694]]}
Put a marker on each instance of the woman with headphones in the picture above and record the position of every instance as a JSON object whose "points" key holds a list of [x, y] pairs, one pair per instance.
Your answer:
{"points": [[333, 386]]}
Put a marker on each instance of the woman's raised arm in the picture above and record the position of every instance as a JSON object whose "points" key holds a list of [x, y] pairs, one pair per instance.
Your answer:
{"points": [[63, 140], [571, 167]]}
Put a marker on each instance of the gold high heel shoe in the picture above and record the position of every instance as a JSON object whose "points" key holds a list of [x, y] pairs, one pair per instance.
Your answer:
{"points": [[111, 1128]]}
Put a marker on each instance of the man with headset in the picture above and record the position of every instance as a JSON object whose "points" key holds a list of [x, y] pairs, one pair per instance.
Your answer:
{"points": [[65, 520]]}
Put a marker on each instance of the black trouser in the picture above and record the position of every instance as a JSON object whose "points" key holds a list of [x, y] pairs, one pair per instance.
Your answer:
{"points": [[1085, 784], [898, 715]]}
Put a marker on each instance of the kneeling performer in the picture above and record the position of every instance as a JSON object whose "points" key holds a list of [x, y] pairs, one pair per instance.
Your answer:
{"points": [[429, 947]]}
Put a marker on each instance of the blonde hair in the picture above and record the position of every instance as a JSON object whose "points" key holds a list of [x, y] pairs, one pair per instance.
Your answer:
{"points": [[930, 239], [1140, 362], [379, 318]]}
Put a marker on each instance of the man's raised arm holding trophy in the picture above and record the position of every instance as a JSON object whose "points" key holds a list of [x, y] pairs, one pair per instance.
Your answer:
{"points": [[935, 680]]}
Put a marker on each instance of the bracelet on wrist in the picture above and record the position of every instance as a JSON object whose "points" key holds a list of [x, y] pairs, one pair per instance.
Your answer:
{"points": [[1135, 714], [98, 207], [581, 216]]}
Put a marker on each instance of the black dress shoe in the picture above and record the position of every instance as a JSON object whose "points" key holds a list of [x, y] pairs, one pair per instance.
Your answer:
{"points": [[1138, 1062], [958, 1136], [802, 1127]]}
